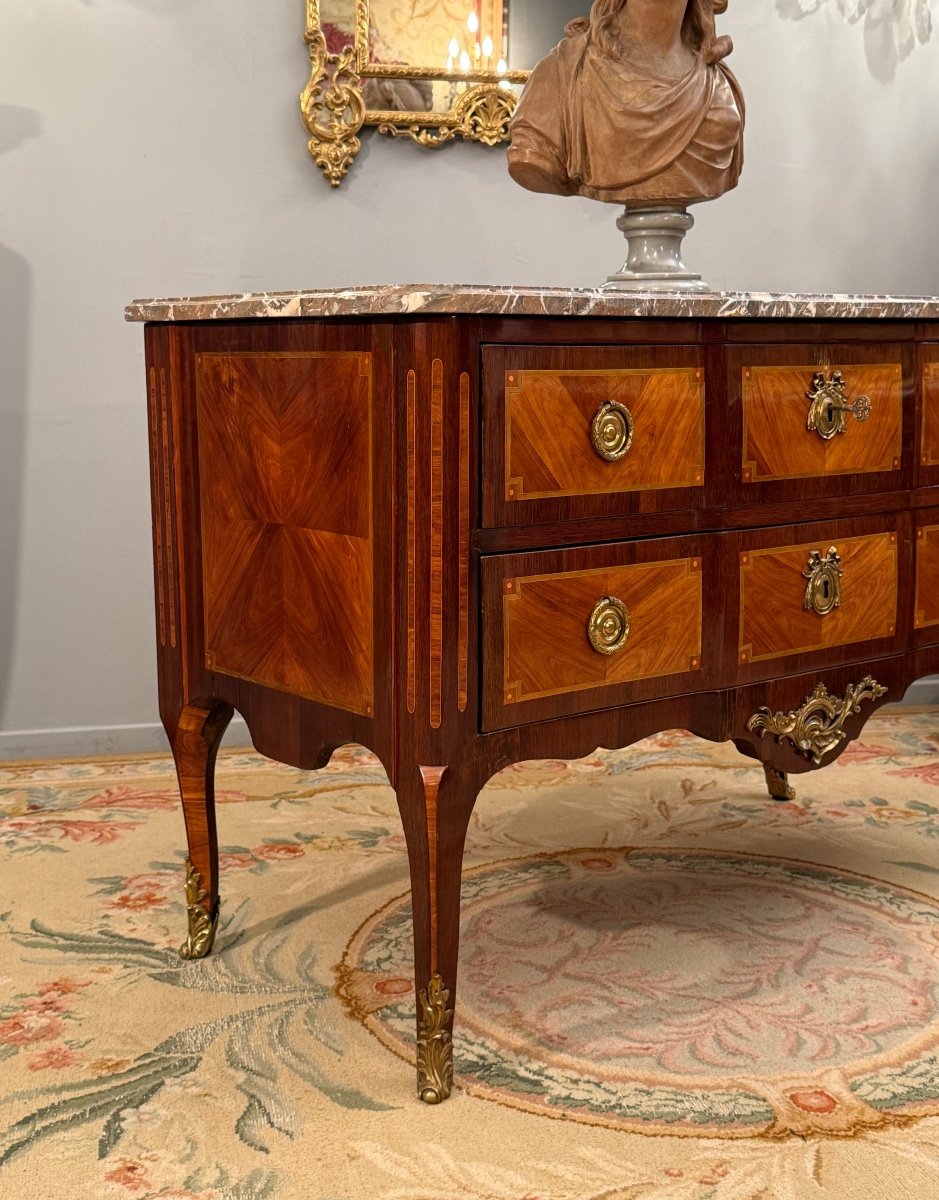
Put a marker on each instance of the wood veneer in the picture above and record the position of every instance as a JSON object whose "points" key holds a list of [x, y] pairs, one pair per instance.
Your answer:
{"points": [[777, 444], [773, 620], [287, 567], [929, 446], [538, 407], [548, 417], [926, 606]]}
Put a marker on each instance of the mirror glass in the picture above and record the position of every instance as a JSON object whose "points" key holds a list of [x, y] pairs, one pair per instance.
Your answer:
{"points": [[438, 33], [431, 71]]}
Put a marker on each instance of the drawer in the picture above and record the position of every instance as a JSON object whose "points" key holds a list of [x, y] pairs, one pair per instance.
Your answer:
{"points": [[821, 592], [926, 594], [929, 425], [578, 431], [573, 630], [832, 415]]}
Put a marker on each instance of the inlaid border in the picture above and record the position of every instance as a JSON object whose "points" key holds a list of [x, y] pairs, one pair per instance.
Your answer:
{"points": [[512, 589], [745, 654], [515, 484], [747, 384]]}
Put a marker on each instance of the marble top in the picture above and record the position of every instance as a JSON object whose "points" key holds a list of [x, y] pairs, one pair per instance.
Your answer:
{"points": [[411, 299]]}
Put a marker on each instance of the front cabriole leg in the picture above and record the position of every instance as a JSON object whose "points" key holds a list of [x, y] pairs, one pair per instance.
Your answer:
{"points": [[195, 745], [436, 804]]}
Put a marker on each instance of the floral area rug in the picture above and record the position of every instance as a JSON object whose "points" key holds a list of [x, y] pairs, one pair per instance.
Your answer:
{"points": [[671, 986]]}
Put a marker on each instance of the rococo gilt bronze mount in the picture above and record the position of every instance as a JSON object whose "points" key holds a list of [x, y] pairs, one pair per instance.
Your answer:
{"points": [[359, 76]]}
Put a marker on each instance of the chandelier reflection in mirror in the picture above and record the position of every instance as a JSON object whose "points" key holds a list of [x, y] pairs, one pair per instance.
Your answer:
{"points": [[427, 70]]}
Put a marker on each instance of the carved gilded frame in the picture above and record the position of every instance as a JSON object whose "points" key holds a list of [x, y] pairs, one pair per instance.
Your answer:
{"points": [[334, 109]]}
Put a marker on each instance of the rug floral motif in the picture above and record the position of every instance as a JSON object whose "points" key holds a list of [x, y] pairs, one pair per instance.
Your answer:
{"points": [[671, 986]]}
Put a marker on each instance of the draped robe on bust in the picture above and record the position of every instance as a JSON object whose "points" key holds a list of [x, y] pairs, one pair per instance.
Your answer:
{"points": [[592, 125]]}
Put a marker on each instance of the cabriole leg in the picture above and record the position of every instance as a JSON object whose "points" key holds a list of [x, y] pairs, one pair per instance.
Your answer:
{"points": [[195, 746], [778, 784], [435, 809]]}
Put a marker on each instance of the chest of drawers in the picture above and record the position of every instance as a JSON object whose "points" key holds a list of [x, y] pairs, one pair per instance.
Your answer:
{"points": [[466, 527]]}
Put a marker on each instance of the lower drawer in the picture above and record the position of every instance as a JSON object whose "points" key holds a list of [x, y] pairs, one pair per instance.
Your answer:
{"points": [[567, 631], [926, 596], [820, 594]]}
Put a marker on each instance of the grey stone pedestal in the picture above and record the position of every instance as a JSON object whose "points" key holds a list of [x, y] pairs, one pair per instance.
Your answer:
{"points": [[654, 263]]}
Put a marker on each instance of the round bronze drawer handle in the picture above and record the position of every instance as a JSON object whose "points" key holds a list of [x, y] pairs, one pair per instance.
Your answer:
{"points": [[611, 431], [828, 406], [823, 590], [608, 627]]}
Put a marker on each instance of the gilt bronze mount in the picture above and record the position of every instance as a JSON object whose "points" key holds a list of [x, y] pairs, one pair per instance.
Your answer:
{"points": [[434, 1044], [823, 589], [202, 923], [829, 406], [817, 728]]}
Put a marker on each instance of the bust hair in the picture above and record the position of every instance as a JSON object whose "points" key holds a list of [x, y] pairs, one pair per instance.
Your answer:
{"points": [[697, 31]]}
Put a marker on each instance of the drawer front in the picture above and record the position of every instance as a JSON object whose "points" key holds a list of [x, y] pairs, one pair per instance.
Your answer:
{"points": [[926, 596], [577, 431], [564, 635], [929, 444], [820, 414], [812, 596]]}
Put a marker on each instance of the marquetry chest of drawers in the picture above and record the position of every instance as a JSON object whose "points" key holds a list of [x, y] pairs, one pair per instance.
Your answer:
{"points": [[466, 527]]}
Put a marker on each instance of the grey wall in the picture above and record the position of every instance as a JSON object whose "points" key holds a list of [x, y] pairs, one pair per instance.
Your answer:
{"points": [[153, 147]]}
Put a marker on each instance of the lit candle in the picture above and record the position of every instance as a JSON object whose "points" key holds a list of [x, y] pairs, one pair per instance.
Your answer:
{"points": [[464, 60], [472, 23], [501, 66], [454, 48]]}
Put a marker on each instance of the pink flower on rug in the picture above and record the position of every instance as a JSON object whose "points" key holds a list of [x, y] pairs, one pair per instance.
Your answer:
{"points": [[278, 850], [144, 891], [55, 1058], [131, 1175], [138, 900], [236, 862], [25, 1027], [125, 797], [99, 833], [926, 774], [856, 753], [63, 987]]}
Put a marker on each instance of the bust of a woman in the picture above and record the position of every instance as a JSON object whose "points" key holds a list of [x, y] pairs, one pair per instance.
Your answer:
{"points": [[634, 106]]}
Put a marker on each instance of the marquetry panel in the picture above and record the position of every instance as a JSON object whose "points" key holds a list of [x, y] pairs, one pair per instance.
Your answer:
{"points": [[549, 414], [546, 646], [774, 622], [930, 443], [926, 608], [777, 443], [285, 465]]}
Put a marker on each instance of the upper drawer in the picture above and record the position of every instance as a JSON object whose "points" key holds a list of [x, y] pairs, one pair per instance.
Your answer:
{"points": [[575, 432], [929, 427], [830, 416]]}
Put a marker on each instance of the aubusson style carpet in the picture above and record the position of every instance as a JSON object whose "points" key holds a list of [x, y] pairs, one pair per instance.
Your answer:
{"points": [[671, 987]]}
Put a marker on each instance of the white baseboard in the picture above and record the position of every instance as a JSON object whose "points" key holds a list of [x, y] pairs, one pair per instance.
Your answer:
{"points": [[90, 741], [87, 742]]}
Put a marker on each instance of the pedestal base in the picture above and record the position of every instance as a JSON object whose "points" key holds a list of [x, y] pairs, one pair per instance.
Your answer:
{"points": [[654, 262]]}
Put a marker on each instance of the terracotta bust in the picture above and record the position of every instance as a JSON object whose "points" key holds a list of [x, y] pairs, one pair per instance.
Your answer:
{"points": [[634, 106]]}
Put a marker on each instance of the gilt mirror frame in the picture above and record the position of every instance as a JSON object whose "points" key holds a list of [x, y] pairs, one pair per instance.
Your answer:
{"points": [[334, 102]]}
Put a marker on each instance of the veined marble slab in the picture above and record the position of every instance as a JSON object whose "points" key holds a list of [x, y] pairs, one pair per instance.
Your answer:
{"points": [[409, 299]]}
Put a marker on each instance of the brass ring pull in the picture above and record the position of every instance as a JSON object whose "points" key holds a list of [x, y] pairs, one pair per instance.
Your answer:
{"points": [[611, 431], [608, 627], [823, 590], [828, 406]]}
